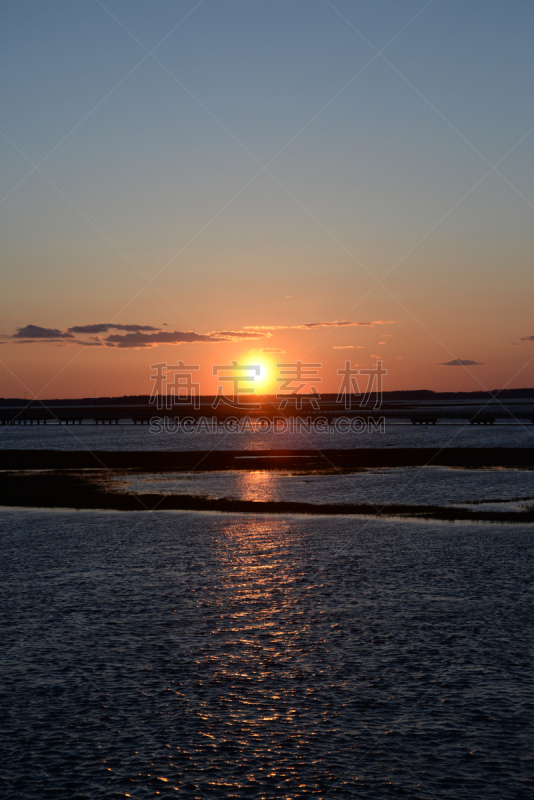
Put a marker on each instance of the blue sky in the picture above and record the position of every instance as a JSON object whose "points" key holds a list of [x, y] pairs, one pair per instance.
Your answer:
{"points": [[380, 125]]}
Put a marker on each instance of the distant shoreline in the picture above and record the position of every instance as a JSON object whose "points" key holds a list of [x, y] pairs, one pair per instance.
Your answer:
{"points": [[399, 395]]}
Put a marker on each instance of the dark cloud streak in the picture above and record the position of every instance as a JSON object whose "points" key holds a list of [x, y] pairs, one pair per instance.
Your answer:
{"points": [[460, 362], [36, 332], [178, 337], [340, 323], [107, 326]]}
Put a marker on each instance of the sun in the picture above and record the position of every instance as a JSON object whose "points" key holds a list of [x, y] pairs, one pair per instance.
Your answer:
{"points": [[264, 381]]}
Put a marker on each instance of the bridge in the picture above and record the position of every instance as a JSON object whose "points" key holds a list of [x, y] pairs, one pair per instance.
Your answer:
{"points": [[35, 413]]}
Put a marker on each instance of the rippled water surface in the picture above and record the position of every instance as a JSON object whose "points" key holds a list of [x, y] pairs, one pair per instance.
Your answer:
{"points": [[197, 655], [140, 437], [407, 486]]}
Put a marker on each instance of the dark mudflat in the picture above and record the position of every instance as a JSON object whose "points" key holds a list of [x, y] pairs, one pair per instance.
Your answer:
{"points": [[204, 461]]}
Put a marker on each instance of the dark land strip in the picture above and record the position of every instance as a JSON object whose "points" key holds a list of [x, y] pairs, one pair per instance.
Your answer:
{"points": [[302, 460]]}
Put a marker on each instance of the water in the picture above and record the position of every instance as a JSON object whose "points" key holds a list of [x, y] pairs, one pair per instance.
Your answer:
{"points": [[204, 655], [200, 655], [506, 489], [139, 437]]}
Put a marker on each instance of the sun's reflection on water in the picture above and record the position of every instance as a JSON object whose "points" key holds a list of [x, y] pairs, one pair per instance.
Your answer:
{"points": [[254, 652], [259, 485]]}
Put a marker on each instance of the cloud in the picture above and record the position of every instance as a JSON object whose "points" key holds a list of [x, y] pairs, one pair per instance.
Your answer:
{"points": [[36, 332], [267, 350], [139, 339], [460, 362], [237, 335], [343, 347], [338, 323], [140, 336], [527, 339], [56, 342], [107, 326], [130, 336], [343, 323]]}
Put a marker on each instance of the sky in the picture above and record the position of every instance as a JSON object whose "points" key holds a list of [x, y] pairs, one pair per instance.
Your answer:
{"points": [[265, 181]]}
